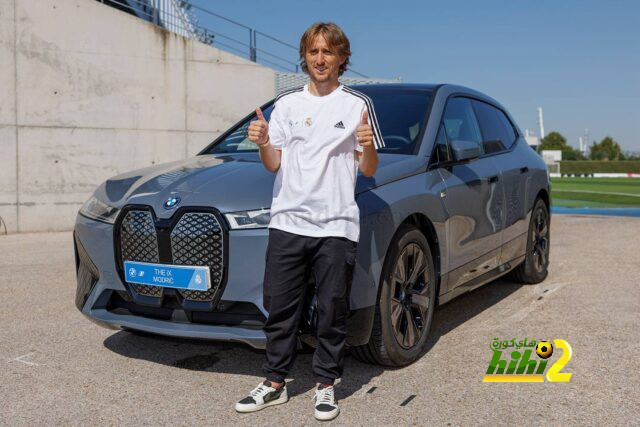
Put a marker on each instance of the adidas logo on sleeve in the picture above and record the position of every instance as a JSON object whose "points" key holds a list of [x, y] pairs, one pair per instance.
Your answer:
{"points": [[339, 125]]}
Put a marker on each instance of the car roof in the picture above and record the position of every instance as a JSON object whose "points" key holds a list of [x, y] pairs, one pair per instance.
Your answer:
{"points": [[422, 86], [392, 86], [449, 89]]}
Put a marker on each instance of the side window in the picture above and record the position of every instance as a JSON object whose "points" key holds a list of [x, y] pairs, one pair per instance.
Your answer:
{"points": [[443, 153], [460, 121], [508, 128], [497, 131]]}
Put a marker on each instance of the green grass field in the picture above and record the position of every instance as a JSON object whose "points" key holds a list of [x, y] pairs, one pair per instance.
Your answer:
{"points": [[596, 192]]}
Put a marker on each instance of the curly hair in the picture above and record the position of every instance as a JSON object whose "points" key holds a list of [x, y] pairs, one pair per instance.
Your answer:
{"points": [[335, 38]]}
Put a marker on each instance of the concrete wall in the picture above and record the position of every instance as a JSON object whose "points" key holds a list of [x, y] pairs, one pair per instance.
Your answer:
{"points": [[87, 91]]}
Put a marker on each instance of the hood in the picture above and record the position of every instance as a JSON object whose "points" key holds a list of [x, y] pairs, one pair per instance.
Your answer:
{"points": [[228, 182]]}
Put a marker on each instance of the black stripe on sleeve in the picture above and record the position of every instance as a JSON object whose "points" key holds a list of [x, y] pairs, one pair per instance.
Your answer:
{"points": [[379, 142], [287, 92], [374, 118]]}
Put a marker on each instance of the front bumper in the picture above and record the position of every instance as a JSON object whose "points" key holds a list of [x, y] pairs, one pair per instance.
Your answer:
{"points": [[254, 338], [104, 298]]}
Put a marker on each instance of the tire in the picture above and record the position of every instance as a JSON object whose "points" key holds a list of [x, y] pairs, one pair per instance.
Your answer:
{"points": [[534, 268], [410, 298]]}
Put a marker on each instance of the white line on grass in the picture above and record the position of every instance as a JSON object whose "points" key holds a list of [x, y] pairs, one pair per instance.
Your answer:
{"points": [[596, 192]]}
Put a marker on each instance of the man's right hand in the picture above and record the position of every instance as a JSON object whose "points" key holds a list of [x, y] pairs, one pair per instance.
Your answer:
{"points": [[258, 131]]}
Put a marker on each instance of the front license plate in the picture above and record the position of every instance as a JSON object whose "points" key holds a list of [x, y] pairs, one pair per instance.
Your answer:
{"points": [[169, 276]]}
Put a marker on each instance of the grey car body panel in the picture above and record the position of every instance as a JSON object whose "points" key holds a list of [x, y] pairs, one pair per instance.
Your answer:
{"points": [[230, 182], [475, 208], [480, 225], [384, 209]]}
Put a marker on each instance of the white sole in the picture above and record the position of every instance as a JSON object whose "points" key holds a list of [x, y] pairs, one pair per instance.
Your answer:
{"points": [[326, 416], [284, 398]]}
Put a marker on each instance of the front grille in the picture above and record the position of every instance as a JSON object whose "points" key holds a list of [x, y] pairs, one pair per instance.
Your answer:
{"points": [[139, 242], [190, 238], [197, 240]]}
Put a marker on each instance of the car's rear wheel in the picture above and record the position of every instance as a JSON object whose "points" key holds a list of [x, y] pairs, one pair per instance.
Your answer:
{"points": [[406, 300], [534, 268]]}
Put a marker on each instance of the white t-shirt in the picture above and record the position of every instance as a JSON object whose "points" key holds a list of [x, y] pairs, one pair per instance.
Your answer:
{"points": [[314, 190]]}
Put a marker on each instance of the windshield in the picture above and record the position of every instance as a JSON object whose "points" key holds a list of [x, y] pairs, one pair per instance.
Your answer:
{"points": [[401, 114]]}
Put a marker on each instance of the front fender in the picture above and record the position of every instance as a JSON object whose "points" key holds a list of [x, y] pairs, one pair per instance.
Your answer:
{"points": [[382, 210]]}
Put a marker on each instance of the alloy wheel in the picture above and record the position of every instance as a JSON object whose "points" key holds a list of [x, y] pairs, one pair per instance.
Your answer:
{"points": [[410, 295], [540, 247]]}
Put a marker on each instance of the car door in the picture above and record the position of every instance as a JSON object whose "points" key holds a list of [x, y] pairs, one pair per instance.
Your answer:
{"points": [[499, 136], [474, 198]]}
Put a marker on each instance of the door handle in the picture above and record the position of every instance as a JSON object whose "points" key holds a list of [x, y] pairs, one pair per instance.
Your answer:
{"points": [[493, 179], [524, 169]]}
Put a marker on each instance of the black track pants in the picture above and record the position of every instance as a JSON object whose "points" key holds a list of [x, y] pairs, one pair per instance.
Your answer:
{"points": [[287, 259]]}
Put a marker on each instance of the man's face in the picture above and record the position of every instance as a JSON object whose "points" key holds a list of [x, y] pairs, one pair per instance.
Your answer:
{"points": [[323, 62]]}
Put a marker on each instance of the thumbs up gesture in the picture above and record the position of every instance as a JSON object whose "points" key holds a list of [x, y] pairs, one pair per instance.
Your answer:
{"points": [[258, 131], [364, 133]]}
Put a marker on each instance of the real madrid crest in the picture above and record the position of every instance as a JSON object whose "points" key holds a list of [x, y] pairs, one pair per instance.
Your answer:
{"points": [[307, 121]]}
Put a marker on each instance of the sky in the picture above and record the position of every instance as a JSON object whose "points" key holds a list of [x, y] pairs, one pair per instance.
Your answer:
{"points": [[578, 60]]}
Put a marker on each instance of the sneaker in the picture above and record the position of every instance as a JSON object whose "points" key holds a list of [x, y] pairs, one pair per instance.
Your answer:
{"points": [[262, 396], [326, 406]]}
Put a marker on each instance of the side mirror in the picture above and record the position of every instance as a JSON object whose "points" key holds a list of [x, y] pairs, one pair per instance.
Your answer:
{"points": [[465, 150]]}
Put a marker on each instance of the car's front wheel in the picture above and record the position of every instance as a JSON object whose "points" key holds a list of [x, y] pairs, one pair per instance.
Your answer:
{"points": [[405, 303]]}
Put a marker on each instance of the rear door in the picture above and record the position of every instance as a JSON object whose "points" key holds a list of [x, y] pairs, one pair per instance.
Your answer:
{"points": [[474, 198]]}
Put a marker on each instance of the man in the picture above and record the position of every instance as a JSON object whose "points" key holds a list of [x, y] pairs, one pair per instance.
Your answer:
{"points": [[316, 138]]}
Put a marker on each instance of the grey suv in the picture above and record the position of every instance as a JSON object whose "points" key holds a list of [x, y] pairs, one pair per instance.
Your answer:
{"points": [[458, 199]]}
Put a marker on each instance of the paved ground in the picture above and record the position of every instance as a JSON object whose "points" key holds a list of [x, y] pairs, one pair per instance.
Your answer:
{"points": [[59, 368]]}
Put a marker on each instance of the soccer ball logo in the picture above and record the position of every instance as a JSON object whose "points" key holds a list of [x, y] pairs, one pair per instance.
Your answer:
{"points": [[544, 349]]}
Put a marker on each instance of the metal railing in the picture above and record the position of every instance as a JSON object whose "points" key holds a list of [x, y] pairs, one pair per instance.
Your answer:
{"points": [[182, 17], [172, 15]]}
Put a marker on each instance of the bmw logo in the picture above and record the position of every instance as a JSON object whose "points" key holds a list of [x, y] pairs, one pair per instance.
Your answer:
{"points": [[171, 202]]}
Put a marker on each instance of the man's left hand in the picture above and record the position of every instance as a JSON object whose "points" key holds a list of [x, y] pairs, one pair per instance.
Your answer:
{"points": [[364, 133]]}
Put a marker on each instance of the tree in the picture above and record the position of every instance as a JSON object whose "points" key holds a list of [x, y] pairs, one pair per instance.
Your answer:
{"points": [[607, 149], [553, 141], [556, 141]]}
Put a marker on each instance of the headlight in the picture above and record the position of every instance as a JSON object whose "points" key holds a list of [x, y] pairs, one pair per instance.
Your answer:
{"points": [[249, 219], [98, 210]]}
